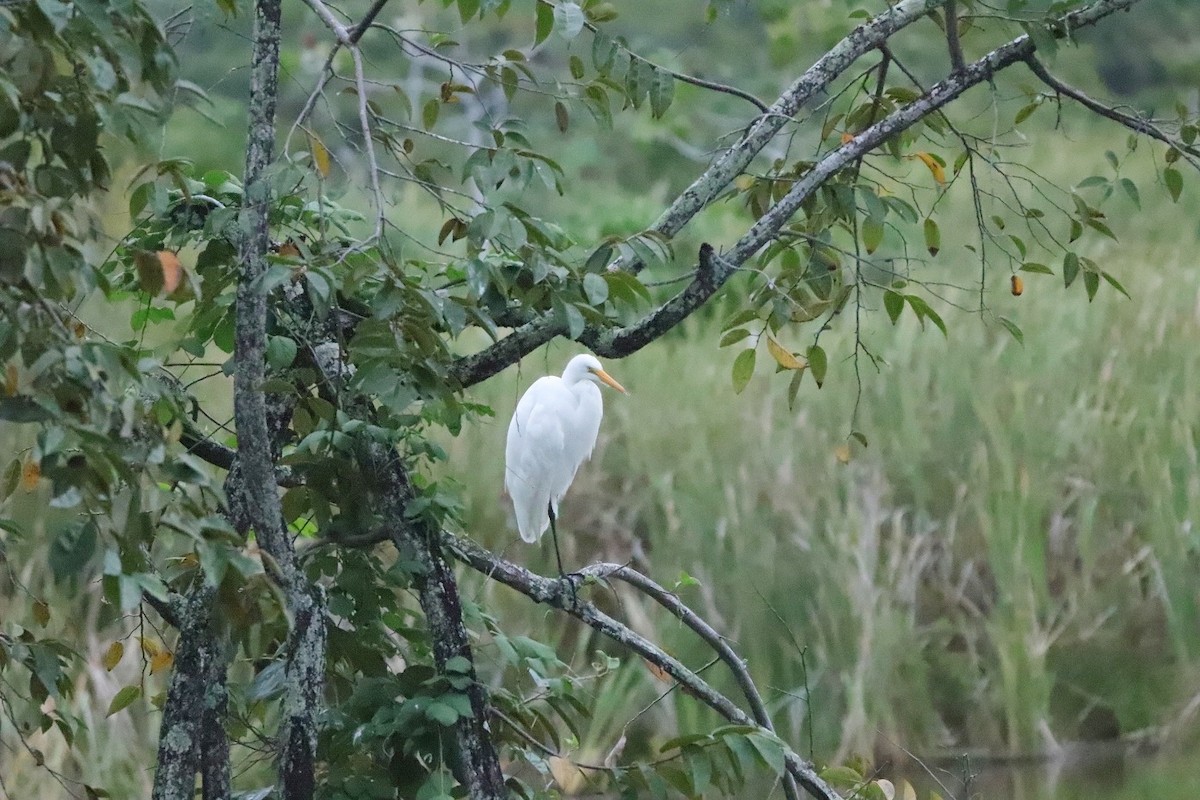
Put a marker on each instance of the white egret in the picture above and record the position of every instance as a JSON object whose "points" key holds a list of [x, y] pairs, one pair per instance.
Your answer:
{"points": [[552, 432]]}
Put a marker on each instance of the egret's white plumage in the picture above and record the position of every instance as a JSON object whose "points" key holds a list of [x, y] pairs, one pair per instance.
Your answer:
{"points": [[552, 432]]}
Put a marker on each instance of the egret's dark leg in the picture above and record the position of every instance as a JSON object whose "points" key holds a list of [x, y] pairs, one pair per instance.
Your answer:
{"points": [[562, 573], [554, 535]]}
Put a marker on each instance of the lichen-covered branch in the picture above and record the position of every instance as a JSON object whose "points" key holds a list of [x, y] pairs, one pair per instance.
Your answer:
{"points": [[874, 34], [711, 274], [939, 95], [554, 593], [816, 79]]}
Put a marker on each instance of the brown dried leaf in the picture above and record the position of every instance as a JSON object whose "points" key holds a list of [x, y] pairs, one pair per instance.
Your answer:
{"points": [[31, 473], [172, 270]]}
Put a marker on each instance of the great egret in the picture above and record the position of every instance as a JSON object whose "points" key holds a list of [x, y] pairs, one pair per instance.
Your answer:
{"points": [[552, 432]]}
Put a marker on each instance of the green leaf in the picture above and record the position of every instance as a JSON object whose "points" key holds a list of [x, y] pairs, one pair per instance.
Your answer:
{"points": [[1174, 182], [281, 352], [769, 750], [872, 234], [841, 777], [441, 713], [1130, 188], [893, 302], [545, 22], [1091, 282], [123, 698], [575, 65], [1033, 266], [1114, 283], [429, 114], [1024, 113], [72, 549], [743, 369], [933, 238], [569, 19], [1070, 269], [924, 312], [562, 117], [1013, 329], [818, 362], [662, 92], [733, 337], [595, 288], [467, 9]]}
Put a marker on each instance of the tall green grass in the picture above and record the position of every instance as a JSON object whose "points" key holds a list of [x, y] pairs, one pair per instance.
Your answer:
{"points": [[1014, 550]]}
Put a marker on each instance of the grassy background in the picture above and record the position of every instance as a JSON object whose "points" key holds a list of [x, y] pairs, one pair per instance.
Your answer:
{"points": [[1010, 562]]}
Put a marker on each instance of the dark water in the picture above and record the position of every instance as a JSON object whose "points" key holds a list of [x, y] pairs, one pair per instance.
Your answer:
{"points": [[1094, 773]]}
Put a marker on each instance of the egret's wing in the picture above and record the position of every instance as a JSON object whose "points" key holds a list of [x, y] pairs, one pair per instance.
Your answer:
{"points": [[536, 471]]}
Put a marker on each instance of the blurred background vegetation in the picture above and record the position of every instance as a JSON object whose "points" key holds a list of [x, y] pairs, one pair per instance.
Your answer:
{"points": [[1009, 566]]}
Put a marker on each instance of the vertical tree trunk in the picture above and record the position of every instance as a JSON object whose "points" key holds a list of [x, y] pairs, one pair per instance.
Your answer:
{"points": [[182, 736], [305, 670], [439, 598]]}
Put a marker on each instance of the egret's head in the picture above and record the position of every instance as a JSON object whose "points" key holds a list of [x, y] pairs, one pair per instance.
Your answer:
{"points": [[585, 367]]}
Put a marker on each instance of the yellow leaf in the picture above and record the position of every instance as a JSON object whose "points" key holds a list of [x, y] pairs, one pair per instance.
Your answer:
{"points": [[172, 270], [320, 155], [113, 655], [907, 792], [12, 379], [163, 660], [658, 671], [150, 647], [30, 474], [782, 356], [842, 453], [743, 183], [937, 170]]}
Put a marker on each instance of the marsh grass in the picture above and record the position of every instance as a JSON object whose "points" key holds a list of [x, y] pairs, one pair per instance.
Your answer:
{"points": [[1012, 555]]}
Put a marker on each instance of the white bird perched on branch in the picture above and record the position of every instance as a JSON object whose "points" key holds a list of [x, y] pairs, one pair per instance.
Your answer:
{"points": [[552, 432]]}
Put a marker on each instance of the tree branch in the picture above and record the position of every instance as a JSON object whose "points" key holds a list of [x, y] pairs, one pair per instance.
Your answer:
{"points": [[939, 95], [615, 343], [711, 274], [733, 161], [701, 628], [957, 62], [553, 593], [1134, 123]]}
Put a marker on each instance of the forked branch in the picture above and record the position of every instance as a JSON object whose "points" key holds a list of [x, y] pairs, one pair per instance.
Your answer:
{"points": [[553, 593]]}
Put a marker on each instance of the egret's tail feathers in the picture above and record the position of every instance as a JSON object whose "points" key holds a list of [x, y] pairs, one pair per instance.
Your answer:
{"points": [[533, 525]]}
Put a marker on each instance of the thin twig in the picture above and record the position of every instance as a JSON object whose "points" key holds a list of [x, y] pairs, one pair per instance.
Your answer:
{"points": [[1134, 123]]}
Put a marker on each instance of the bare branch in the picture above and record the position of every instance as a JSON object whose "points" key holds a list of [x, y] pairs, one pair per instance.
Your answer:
{"points": [[682, 76], [1134, 123], [687, 616], [957, 62], [553, 593]]}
